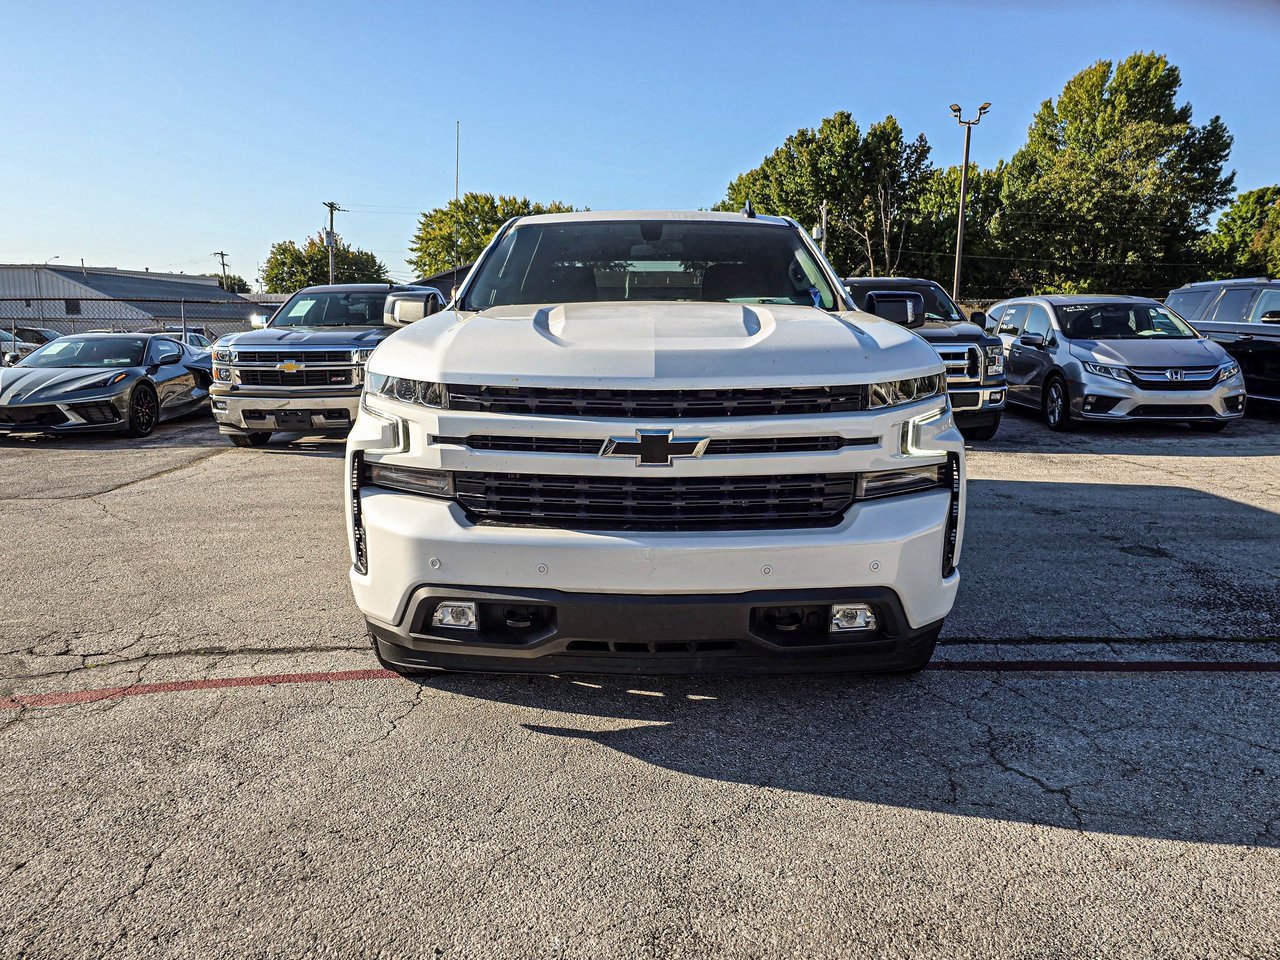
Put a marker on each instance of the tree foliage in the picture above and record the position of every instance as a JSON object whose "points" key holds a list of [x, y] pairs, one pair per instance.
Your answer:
{"points": [[291, 267], [987, 271], [455, 234], [872, 185], [1243, 243], [1115, 186]]}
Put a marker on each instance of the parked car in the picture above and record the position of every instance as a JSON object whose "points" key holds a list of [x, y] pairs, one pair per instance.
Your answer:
{"points": [[654, 442], [14, 348], [1114, 358], [37, 335], [1243, 316], [103, 381], [973, 357], [303, 369], [195, 337]]}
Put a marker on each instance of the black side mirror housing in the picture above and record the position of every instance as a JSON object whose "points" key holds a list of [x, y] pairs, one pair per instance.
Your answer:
{"points": [[1032, 340], [10, 359], [979, 318], [900, 306], [1271, 316]]}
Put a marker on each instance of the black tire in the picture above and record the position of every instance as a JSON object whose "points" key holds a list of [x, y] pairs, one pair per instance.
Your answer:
{"points": [[984, 431], [1208, 426], [250, 439], [921, 654], [144, 410], [1055, 408]]}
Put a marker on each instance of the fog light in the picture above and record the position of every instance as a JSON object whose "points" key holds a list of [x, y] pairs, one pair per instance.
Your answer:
{"points": [[852, 616], [460, 615], [997, 396], [220, 405]]}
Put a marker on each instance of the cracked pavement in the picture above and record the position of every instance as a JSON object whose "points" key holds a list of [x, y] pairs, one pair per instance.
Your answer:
{"points": [[953, 814]]}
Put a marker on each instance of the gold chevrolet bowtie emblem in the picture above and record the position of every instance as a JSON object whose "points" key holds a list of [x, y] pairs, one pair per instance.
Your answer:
{"points": [[289, 366]]}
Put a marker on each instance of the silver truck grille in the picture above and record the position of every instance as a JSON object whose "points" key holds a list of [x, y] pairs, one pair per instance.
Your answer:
{"points": [[963, 363]]}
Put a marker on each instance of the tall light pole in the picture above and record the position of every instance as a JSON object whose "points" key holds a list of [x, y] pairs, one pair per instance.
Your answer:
{"points": [[330, 241], [964, 187]]}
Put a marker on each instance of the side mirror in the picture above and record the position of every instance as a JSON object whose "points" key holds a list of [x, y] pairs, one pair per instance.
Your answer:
{"points": [[1032, 340], [11, 359], [979, 318], [900, 306], [258, 321], [409, 306], [1271, 316]]}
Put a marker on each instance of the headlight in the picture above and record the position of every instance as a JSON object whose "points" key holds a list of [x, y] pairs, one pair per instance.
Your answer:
{"points": [[405, 390], [1103, 370], [222, 374], [888, 483], [431, 483], [895, 392], [221, 354], [362, 355], [1228, 370], [995, 360], [107, 381]]}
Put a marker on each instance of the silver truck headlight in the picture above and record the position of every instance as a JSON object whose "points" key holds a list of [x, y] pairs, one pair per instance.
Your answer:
{"points": [[222, 374], [995, 361], [1106, 370], [221, 354], [430, 483], [362, 355], [892, 393], [889, 483], [405, 390]]}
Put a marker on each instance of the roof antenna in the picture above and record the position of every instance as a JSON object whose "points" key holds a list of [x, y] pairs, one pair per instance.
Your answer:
{"points": [[749, 211]]}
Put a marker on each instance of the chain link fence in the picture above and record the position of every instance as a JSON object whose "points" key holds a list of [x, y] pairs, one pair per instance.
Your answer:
{"points": [[61, 316]]}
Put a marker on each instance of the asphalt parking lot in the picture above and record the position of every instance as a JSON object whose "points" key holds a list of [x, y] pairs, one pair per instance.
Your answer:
{"points": [[254, 787]]}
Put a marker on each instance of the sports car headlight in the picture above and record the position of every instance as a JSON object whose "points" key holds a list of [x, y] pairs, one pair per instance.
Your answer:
{"points": [[1228, 370], [1105, 370], [362, 355], [109, 380], [891, 393], [995, 360], [405, 390]]}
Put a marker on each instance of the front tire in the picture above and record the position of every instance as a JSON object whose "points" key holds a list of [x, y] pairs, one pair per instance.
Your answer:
{"points": [[1056, 406], [144, 410], [985, 431], [250, 439]]}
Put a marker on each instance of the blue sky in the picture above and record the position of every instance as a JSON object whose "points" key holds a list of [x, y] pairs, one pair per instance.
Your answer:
{"points": [[153, 134]]}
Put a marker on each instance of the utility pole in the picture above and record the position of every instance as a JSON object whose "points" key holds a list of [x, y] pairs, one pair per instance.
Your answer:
{"points": [[824, 228], [457, 175], [329, 240], [223, 257], [964, 188]]}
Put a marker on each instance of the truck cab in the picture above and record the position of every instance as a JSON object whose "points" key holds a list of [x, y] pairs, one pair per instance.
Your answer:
{"points": [[974, 358], [302, 370]]}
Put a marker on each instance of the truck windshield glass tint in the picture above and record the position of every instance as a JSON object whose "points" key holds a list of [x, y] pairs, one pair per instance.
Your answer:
{"points": [[88, 352], [672, 260], [332, 310], [1121, 321]]}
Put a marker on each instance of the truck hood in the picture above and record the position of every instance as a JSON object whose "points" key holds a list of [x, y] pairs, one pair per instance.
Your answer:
{"points": [[308, 337], [1156, 352], [659, 345], [938, 331]]}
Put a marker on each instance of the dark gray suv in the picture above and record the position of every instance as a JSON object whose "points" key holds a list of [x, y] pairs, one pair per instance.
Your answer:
{"points": [[1114, 358], [1243, 316]]}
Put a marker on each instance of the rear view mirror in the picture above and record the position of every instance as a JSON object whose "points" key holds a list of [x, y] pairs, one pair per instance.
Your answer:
{"points": [[900, 306], [409, 306], [1271, 316]]}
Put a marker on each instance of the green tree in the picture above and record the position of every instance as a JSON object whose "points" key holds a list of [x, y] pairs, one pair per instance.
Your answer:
{"points": [[471, 222], [290, 267], [1115, 186], [1267, 243], [232, 283], [1238, 247], [986, 273], [872, 185]]}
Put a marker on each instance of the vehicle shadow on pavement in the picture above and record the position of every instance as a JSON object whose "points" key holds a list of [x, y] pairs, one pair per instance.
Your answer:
{"points": [[1157, 756]]}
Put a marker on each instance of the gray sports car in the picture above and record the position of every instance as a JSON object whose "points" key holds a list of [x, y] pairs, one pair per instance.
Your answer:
{"points": [[103, 381]]}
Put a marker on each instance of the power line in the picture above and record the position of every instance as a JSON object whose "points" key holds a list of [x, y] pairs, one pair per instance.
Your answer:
{"points": [[221, 255]]}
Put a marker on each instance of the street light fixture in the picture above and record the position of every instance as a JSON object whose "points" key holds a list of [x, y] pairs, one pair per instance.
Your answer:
{"points": [[964, 186]]}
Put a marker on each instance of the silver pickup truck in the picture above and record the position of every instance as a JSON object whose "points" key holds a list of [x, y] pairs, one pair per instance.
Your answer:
{"points": [[302, 370]]}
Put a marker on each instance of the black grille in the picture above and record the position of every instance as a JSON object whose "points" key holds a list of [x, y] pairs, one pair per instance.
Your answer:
{"points": [[1154, 379], [770, 401], [591, 446], [1173, 410], [656, 503], [296, 356], [36, 415], [98, 412], [299, 378]]}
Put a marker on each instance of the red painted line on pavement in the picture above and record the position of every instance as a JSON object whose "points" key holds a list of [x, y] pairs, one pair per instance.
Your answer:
{"points": [[72, 697]]}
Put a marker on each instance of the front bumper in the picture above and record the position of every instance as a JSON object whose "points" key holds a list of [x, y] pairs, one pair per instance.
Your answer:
{"points": [[86, 415], [1102, 398], [303, 412], [977, 404], [623, 633]]}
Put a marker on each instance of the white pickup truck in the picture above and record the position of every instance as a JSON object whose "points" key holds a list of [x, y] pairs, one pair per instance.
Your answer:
{"points": [[654, 443]]}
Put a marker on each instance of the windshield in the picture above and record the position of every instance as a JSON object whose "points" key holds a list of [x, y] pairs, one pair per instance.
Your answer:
{"points": [[88, 352], [937, 305], [646, 260], [1122, 321], [332, 310]]}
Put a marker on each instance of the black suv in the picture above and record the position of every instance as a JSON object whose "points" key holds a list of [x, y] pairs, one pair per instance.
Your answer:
{"points": [[1243, 316], [974, 358]]}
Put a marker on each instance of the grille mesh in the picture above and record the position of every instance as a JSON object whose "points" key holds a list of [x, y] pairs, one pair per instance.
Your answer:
{"points": [[656, 503], [294, 356], [770, 401], [299, 378], [590, 446]]}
